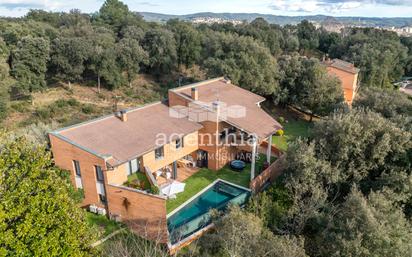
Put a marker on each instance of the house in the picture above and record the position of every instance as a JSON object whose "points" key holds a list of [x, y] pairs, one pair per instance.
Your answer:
{"points": [[196, 128], [347, 74]]}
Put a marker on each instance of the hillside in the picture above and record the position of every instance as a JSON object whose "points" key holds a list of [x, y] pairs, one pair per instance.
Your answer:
{"points": [[281, 20]]}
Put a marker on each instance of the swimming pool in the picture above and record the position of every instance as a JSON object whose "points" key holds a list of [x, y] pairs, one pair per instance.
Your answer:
{"points": [[194, 215]]}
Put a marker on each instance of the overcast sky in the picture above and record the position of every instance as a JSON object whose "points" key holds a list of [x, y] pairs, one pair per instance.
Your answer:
{"points": [[366, 8]]}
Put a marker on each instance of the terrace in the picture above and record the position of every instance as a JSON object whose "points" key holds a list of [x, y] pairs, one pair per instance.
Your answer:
{"points": [[204, 177]]}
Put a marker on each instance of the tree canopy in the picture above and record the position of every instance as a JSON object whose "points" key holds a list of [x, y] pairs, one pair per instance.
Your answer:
{"points": [[37, 215]]}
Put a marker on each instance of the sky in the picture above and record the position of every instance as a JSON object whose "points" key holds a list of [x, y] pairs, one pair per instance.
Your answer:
{"points": [[363, 8]]}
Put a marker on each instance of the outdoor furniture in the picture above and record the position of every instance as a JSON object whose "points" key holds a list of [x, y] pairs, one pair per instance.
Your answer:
{"points": [[237, 165], [159, 173], [173, 188], [183, 162], [168, 175]]}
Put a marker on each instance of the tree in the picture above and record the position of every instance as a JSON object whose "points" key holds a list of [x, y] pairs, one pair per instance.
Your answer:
{"points": [[29, 63], [306, 83], [308, 35], [131, 55], [161, 47], [244, 60], [37, 215], [320, 93], [310, 183], [372, 226], [387, 102], [368, 149], [270, 34], [103, 59], [378, 53], [117, 15], [67, 58], [187, 42], [241, 234]]}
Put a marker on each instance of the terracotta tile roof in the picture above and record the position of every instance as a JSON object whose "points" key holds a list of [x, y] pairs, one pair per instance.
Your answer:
{"points": [[342, 65], [109, 136], [256, 120]]}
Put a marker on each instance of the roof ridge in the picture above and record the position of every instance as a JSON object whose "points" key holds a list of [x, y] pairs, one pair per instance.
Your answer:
{"points": [[196, 84]]}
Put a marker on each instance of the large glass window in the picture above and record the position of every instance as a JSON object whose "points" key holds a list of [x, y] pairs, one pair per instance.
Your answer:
{"points": [[159, 153], [99, 173], [76, 165]]}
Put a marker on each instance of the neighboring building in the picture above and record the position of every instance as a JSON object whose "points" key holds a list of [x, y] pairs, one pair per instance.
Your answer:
{"points": [[101, 154], [347, 74]]}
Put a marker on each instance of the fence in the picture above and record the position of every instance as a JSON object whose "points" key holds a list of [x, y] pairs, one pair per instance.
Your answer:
{"points": [[268, 175]]}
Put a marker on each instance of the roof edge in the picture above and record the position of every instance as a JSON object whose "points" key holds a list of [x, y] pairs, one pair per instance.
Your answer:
{"points": [[201, 83], [104, 157], [102, 118]]}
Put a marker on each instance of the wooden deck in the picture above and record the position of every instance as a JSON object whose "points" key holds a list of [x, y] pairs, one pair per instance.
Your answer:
{"points": [[182, 174]]}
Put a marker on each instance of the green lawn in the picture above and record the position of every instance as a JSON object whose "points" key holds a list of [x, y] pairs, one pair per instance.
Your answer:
{"points": [[102, 223], [292, 130], [205, 177], [137, 179]]}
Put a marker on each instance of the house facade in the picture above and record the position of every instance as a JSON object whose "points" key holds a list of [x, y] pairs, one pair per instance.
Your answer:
{"points": [[196, 128], [347, 73]]}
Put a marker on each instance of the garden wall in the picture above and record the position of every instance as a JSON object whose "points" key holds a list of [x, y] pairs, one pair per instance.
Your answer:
{"points": [[144, 213], [268, 175]]}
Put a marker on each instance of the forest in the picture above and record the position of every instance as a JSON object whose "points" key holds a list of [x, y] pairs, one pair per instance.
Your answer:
{"points": [[347, 185]]}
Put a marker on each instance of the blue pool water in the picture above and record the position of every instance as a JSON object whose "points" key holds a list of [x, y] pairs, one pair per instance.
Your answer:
{"points": [[195, 215]]}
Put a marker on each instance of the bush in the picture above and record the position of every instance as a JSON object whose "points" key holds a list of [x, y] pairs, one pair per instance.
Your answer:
{"points": [[154, 190], [3, 110], [88, 109]]}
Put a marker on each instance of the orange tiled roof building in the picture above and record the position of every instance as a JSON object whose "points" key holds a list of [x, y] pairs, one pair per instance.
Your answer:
{"points": [[348, 75]]}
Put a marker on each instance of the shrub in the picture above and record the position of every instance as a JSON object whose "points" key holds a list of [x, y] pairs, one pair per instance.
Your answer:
{"points": [[88, 109], [280, 132]]}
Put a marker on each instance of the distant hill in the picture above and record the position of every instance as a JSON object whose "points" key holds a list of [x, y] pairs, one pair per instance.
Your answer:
{"points": [[282, 20]]}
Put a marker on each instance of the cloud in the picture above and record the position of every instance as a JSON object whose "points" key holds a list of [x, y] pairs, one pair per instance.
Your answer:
{"points": [[330, 5], [30, 4], [148, 4]]}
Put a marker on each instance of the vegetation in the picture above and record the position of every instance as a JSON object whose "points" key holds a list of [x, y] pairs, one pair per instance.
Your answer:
{"points": [[103, 224], [292, 130], [37, 212], [205, 177], [138, 180], [346, 186], [242, 234]]}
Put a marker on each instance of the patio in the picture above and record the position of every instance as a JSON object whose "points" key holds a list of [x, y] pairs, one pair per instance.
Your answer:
{"points": [[183, 173], [204, 177]]}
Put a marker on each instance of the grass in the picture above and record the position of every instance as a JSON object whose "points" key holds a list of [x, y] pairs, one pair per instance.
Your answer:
{"points": [[205, 177], [292, 129], [102, 223], [141, 179]]}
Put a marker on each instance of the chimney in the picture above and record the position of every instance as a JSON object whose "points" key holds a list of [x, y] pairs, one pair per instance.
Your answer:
{"points": [[123, 115], [195, 93]]}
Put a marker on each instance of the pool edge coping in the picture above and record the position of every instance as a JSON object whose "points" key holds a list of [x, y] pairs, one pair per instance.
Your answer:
{"points": [[202, 191]]}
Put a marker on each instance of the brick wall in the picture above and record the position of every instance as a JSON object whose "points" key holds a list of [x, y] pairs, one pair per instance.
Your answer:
{"points": [[118, 175], [144, 213], [349, 82], [175, 99], [64, 153], [171, 153], [268, 175]]}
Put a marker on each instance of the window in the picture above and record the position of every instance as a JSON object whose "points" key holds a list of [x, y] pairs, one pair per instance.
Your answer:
{"points": [[179, 143], [99, 173], [133, 166], [159, 153], [77, 168], [102, 198]]}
